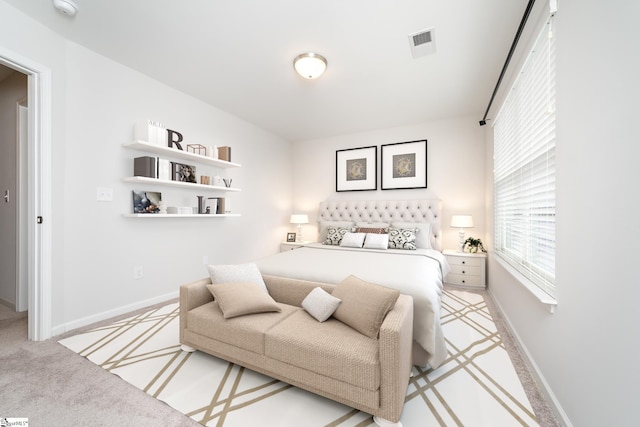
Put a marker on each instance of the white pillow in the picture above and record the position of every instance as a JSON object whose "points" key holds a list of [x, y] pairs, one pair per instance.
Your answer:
{"points": [[352, 240], [236, 273], [423, 235], [376, 241], [320, 304], [372, 224]]}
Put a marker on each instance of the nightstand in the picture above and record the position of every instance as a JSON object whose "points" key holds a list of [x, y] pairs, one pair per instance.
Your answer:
{"points": [[466, 269], [289, 246]]}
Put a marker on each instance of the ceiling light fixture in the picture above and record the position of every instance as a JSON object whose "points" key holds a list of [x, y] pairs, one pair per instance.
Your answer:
{"points": [[66, 7], [310, 65]]}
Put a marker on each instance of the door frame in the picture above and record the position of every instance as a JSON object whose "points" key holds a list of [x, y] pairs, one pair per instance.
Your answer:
{"points": [[38, 233]]}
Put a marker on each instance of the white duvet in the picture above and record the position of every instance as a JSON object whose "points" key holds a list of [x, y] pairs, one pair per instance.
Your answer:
{"points": [[417, 273]]}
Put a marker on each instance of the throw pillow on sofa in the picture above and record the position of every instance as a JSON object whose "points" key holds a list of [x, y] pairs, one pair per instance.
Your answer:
{"points": [[239, 299], [236, 273], [364, 305], [320, 304]]}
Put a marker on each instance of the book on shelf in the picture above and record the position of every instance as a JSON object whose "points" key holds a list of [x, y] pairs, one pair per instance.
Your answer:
{"points": [[150, 131], [145, 166]]}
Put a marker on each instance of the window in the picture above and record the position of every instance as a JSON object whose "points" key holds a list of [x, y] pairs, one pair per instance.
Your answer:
{"points": [[524, 168]]}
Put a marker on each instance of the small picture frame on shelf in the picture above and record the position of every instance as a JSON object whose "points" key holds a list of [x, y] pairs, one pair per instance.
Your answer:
{"points": [[291, 237], [146, 202], [183, 173]]}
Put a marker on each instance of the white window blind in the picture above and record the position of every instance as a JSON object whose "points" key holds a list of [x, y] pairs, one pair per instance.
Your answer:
{"points": [[524, 168]]}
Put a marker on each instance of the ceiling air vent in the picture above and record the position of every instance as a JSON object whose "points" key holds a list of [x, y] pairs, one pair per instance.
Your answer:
{"points": [[422, 43]]}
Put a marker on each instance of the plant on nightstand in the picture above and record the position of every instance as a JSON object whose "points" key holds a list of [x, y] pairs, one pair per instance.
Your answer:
{"points": [[474, 245]]}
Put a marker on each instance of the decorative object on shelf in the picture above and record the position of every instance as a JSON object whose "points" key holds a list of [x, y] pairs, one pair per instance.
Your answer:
{"points": [[212, 151], [212, 205], [151, 131], [216, 181], [404, 165], [174, 138], [183, 173], [221, 208], [291, 237], [356, 169], [310, 65], [461, 222], [145, 166], [202, 208], [164, 169], [198, 149], [224, 153], [227, 182], [299, 219], [474, 245], [163, 208], [205, 180], [147, 202]]}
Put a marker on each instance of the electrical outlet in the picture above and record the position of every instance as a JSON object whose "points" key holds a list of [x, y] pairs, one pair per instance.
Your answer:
{"points": [[205, 259], [104, 194], [137, 272]]}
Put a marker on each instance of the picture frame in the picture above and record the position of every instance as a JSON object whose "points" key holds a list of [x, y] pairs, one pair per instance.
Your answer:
{"points": [[291, 237], [357, 169], [146, 202], [404, 165], [183, 172]]}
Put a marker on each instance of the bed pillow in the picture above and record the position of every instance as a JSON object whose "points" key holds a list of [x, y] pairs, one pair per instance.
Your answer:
{"points": [[375, 230], [352, 240], [320, 304], [423, 235], [335, 235], [376, 241], [324, 227], [372, 224], [236, 273], [402, 238], [242, 298], [364, 305]]}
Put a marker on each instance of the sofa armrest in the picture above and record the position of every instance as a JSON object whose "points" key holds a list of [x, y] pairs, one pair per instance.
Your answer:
{"points": [[395, 349], [193, 295]]}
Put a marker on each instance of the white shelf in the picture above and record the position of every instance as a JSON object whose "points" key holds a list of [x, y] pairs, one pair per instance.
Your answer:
{"points": [[188, 185], [179, 154], [158, 215]]}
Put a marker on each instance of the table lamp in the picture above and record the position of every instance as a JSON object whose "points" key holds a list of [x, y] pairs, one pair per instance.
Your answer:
{"points": [[299, 219], [461, 222]]}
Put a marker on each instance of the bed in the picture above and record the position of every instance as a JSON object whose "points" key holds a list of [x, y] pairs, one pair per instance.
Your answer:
{"points": [[417, 272]]}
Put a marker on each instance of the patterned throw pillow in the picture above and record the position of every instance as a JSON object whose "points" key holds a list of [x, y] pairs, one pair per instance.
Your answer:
{"points": [[402, 238], [335, 235]]}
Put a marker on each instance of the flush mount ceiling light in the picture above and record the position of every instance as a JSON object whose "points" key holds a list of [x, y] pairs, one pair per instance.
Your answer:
{"points": [[66, 7], [310, 65]]}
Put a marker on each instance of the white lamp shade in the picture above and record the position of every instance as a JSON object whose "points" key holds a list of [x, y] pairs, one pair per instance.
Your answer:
{"points": [[310, 65], [462, 221], [299, 219]]}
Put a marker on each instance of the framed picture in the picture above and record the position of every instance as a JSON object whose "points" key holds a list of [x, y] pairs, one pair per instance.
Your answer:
{"points": [[182, 172], [291, 237], [147, 202], [356, 169], [404, 165]]}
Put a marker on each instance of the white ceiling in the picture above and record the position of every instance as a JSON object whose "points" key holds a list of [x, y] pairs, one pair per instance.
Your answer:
{"points": [[237, 55]]}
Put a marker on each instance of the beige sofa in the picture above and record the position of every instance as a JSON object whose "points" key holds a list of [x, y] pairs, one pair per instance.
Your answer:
{"points": [[329, 358]]}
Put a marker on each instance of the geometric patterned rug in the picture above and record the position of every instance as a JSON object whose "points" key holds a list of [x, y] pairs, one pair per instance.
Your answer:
{"points": [[476, 386]]}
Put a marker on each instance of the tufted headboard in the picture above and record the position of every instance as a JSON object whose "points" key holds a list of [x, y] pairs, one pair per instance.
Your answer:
{"points": [[420, 210]]}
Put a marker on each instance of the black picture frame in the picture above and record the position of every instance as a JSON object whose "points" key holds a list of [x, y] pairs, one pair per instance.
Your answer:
{"points": [[291, 237], [357, 169], [404, 165], [183, 172]]}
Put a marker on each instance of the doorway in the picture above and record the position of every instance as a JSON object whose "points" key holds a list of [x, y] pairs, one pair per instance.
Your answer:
{"points": [[33, 258]]}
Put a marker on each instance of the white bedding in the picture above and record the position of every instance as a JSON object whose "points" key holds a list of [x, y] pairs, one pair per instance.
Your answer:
{"points": [[417, 273]]}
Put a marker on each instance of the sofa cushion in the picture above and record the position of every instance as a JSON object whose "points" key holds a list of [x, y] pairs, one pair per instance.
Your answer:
{"points": [[236, 273], [331, 348], [239, 299], [364, 305], [244, 331], [320, 304]]}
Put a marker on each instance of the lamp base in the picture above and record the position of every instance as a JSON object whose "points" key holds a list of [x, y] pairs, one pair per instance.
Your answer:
{"points": [[461, 240], [299, 234]]}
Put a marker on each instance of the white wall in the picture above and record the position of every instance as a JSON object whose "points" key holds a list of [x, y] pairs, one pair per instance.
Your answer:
{"points": [[95, 103], [454, 173], [587, 351]]}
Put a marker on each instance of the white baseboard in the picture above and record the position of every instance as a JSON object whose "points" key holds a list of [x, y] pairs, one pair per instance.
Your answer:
{"points": [[99, 317], [535, 370]]}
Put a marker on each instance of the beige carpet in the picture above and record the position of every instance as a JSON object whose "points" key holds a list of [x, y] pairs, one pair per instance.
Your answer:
{"points": [[476, 386]]}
